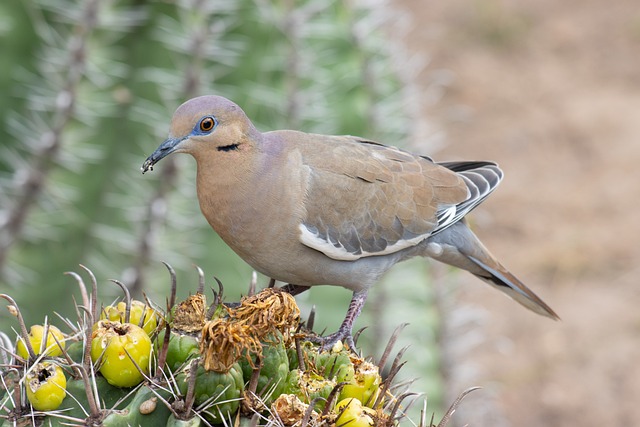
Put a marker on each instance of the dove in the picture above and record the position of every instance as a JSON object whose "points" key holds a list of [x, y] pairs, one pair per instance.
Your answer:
{"points": [[308, 209]]}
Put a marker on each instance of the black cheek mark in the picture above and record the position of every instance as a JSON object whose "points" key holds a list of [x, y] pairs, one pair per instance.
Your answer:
{"points": [[231, 147]]}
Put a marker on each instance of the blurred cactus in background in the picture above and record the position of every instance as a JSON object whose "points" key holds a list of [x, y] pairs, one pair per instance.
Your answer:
{"points": [[89, 88]]}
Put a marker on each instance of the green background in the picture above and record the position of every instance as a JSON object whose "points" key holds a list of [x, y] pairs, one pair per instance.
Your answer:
{"points": [[88, 89]]}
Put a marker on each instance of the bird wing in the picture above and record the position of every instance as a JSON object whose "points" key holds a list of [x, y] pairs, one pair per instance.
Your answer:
{"points": [[365, 199], [480, 177]]}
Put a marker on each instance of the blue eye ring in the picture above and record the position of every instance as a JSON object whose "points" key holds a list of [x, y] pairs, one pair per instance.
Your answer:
{"points": [[206, 125]]}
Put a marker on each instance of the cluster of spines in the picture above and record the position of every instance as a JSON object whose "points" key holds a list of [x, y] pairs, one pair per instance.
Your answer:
{"points": [[284, 380]]}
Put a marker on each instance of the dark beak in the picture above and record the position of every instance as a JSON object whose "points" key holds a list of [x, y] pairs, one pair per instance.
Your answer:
{"points": [[167, 147]]}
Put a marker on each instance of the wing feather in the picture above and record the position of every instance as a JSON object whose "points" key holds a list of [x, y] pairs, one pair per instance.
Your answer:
{"points": [[365, 199]]}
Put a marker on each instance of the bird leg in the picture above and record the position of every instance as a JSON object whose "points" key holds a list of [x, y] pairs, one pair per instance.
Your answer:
{"points": [[294, 289], [344, 332]]}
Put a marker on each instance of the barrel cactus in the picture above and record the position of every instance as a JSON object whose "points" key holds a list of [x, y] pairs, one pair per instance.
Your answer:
{"points": [[188, 365]]}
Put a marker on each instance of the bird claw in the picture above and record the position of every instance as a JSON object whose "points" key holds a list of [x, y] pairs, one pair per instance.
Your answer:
{"points": [[330, 342]]}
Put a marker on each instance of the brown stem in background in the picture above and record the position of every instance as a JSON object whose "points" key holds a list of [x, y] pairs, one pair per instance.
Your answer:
{"points": [[44, 158], [293, 24], [169, 171]]}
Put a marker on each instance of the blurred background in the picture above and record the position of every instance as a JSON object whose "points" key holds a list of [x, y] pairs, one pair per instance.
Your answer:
{"points": [[549, 90]]}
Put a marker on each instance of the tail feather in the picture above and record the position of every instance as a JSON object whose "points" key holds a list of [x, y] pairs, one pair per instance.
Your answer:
{"points": [[506, 282], [459, 247]]}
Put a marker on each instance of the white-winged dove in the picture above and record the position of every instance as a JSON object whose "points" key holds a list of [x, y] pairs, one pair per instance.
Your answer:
{"points": [[309, 209]]}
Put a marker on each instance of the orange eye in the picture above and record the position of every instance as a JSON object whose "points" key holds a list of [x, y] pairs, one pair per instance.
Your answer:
{"points": [[207, 124]]}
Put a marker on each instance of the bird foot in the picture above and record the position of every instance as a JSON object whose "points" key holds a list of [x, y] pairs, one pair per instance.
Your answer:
{"points": [[344, 333], [339, 338]]}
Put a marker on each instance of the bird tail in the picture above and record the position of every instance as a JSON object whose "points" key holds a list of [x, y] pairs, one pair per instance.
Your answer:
{"points": [[459, 247]]}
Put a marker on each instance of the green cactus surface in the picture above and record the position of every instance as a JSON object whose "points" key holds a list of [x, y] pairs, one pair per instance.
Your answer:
{"points": [[285, 379], [217, 395], [182, 348], [145, 409], [273, 372]]}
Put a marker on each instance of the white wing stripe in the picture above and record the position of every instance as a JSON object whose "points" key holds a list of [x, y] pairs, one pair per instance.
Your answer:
{"points": [[310, 239], [447, 216]]}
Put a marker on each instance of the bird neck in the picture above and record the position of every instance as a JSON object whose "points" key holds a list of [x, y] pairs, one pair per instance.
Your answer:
{"points": [[231, 185], [221, 183], [239, 190]]}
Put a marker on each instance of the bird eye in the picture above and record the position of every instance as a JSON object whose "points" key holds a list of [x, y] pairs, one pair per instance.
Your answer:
{"points": [[207, 124]]}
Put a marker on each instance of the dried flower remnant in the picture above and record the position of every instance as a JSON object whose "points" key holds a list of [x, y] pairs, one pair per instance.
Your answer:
{"points": [[268, 311], [190, 315]]}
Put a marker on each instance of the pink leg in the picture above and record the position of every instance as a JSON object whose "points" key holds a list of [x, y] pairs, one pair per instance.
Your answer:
{"points": [[344, 332]]}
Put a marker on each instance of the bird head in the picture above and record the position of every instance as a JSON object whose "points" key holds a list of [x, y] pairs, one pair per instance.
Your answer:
{"points": [[202, 126]]}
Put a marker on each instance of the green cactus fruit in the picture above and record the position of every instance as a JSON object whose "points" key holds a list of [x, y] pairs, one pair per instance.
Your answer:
{"points": [[146, 409], [307, 386], [334, 365], [181, 349], [352, 413], [217, 395], [45, 385], [364, 385], [124, 351], [36, 338], [273, 374], [139, 314]]}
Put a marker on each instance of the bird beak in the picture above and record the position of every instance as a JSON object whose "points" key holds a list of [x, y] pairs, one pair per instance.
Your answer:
{"points": [[167, 147]]}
